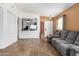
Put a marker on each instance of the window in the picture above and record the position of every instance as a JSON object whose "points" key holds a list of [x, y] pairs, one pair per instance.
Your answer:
{"points": [[59, 24]]}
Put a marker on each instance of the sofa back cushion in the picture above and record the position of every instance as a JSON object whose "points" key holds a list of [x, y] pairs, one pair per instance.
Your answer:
{"points": [[71, 37], [77, 40], [63, 34]]}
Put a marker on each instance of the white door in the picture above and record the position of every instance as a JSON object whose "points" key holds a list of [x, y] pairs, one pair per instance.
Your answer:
{"points": [[48, 28]]}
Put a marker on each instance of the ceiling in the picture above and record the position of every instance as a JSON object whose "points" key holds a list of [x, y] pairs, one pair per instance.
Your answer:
{"points": [[43, 9]]}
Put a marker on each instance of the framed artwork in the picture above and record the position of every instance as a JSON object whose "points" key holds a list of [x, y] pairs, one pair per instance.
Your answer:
{"points": [[29, 24]]}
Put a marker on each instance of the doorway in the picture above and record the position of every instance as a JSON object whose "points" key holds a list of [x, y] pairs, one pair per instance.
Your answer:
{"points": [[46, 28]]}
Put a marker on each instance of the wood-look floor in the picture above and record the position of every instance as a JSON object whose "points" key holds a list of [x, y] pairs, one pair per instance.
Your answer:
{"points": [[30, 47]]}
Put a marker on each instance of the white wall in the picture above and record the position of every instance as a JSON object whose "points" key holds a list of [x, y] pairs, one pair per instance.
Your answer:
{"points": [[29, 34], [1, 26], [8, 25], [10, 29]]}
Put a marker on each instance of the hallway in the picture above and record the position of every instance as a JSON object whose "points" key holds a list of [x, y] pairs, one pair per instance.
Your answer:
{"points": [[30, 47]]}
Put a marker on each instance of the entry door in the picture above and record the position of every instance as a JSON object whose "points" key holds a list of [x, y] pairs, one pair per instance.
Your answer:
{"points": [[48, 28]]}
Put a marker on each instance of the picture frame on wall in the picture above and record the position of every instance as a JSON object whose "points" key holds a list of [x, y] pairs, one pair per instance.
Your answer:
{"points": [[29, 24]]}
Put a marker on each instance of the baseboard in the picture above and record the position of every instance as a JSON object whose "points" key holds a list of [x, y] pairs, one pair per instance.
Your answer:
{"points": [[29, 38]]}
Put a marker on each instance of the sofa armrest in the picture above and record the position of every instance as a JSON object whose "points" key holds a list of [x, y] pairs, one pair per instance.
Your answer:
{"points": [[56, 36], [49, 38]]}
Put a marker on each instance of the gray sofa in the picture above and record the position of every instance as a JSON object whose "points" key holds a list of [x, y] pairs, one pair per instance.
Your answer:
{"points": [[67, 43]]}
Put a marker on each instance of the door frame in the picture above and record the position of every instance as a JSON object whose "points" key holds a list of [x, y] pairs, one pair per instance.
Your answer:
{"points": [[41, 28], [18, 27]]}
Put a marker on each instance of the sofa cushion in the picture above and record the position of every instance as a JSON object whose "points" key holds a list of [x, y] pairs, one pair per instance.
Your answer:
{"points": [[62, 47], [63, 34], [71, 37], [77, 40], [60, 41], [75, 47]]}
